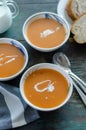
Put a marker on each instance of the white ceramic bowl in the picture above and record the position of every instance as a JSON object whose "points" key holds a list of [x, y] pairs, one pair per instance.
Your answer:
{"points": [[42, 66], [46, 15], [22, 49]]}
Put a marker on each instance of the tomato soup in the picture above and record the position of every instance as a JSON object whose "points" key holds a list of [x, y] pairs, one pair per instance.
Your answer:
{"points": [[46, 88], [11, 60], [46, 33]]}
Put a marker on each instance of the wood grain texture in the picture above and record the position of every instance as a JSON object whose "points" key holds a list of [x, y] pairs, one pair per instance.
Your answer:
{"points": [[36, 1], [71, 116]]}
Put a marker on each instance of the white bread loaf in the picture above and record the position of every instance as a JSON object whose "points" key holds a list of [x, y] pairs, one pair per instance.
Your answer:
{"points": [[76, 8], [79, 29]]}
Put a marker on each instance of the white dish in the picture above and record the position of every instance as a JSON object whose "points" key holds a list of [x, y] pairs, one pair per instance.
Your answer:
{"points": [[22, 49], [44, 66], [46, 15], [61, 11]]}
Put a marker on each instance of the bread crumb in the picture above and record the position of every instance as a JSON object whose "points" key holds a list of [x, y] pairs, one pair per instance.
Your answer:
{"points": [[71, 40]]}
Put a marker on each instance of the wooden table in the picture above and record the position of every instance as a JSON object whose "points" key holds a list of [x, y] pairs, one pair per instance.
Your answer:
{"points": [[72, 116]]}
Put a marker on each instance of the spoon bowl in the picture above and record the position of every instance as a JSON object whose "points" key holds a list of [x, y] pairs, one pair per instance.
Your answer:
{"points": [[62, 60]]}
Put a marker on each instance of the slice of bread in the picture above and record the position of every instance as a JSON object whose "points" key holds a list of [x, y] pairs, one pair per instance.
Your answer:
{"points": [[79, 29], [76, 8]]}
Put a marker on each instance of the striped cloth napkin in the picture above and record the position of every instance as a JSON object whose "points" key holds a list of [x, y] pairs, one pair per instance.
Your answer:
{"points": [[14, 112]]}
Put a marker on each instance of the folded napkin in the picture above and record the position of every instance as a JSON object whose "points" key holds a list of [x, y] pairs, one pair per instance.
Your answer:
{"points": [[14, 111]]}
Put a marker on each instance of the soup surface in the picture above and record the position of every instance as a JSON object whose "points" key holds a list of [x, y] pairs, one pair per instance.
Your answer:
{"points": [[46, 88], [46, 33], [11, 60]]}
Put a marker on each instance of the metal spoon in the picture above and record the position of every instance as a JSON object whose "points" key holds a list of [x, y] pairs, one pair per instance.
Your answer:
{"points": [[62, 60]]}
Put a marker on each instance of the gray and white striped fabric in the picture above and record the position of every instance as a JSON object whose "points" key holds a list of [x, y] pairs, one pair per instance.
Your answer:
{"points": [[13, 110]]}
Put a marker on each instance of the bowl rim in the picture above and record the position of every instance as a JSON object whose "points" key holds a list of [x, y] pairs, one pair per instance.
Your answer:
{"points": [[9, 40], [54, 67], [40, 48]]}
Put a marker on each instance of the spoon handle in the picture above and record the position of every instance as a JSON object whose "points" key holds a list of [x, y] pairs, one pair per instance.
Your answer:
{"points": [[80, 92], [81, 83]]}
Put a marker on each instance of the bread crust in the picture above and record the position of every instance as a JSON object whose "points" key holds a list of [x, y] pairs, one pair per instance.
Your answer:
{"points": [[69, 11]]}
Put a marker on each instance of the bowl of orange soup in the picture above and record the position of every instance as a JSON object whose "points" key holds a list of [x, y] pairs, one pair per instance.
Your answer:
{"points": [[13, 58], [46, 87], [46, 31]]}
